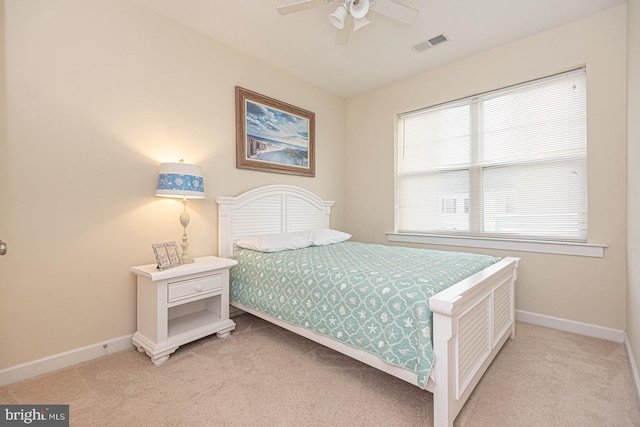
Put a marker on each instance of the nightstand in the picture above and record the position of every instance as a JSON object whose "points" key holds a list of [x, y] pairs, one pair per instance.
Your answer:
{"points": [[181, 304]]}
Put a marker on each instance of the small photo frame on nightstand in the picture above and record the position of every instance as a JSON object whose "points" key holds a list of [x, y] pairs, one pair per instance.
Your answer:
{"points": [[167, 255]]}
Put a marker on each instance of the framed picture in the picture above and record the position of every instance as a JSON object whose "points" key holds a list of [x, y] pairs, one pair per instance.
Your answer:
{"points": [[166, 255], [172, 251], [273, 136]]}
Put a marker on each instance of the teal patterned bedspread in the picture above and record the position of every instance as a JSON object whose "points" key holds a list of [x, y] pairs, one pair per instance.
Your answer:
{"points": [[372, 297]]}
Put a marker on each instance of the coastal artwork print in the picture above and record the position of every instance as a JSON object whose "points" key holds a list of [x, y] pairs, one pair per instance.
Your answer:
{"points": [[273, 136]]}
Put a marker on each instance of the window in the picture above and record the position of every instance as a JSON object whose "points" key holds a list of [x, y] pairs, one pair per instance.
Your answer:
{"points": [[509, 163]]}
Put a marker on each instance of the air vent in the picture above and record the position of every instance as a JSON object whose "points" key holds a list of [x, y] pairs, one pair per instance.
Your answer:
{"points": [[432, 42]]}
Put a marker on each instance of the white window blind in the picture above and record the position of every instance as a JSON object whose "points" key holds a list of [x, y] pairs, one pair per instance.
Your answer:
{"points": [[508, 163]]}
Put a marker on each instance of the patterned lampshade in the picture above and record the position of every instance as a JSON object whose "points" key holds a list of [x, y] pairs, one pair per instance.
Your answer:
{"points": [[180, 180]]}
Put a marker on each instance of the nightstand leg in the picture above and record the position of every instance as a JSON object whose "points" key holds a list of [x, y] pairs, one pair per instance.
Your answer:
{"points": [[158, 354], [159, 360]]}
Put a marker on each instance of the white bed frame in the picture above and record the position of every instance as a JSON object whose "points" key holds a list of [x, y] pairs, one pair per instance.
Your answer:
{"points": [[471, 320]]}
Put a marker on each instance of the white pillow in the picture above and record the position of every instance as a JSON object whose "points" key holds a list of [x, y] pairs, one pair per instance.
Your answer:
{"points": [[275, 242], [326, 236]]}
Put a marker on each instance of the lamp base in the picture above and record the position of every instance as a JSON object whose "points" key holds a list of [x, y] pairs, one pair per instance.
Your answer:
{"points": [[184, 220]]}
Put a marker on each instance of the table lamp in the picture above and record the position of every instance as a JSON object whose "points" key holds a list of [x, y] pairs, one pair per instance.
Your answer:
{"points": [[181, 180]]}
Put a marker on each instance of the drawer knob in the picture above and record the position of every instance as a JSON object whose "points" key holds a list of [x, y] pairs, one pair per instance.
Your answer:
{"points": [[199, 288]]}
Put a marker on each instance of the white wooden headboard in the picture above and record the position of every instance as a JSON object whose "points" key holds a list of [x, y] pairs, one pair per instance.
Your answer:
{"points": [[266, 210]]}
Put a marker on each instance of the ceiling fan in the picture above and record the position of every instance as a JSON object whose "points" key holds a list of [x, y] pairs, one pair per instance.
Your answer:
{"points": [[352, 14]]}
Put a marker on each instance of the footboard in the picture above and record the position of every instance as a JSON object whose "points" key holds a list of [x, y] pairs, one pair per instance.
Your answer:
{"points": [[471, 322]]}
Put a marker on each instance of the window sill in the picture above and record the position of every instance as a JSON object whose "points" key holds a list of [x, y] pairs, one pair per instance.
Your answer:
{"points": [[558, 248]]}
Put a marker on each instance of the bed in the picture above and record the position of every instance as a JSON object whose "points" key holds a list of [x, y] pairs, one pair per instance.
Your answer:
{"points": [[470, 320]]}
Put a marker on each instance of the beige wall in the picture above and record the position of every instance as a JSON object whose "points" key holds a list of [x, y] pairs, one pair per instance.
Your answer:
{"points": [[633, 180], [588, 290], [98, 94]]}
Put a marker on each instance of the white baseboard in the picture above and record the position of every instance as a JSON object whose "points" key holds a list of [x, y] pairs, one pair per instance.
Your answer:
{"points": [[84, 354], [580, 328], [632, 363], [63, 360]]}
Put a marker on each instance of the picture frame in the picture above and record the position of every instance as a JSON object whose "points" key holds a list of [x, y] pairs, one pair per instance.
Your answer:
{"points": [[167, 255], [273, 136], [174, 255]]}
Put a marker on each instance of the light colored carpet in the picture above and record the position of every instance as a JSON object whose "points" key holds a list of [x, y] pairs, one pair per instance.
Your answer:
{"points": [[265, 376]]}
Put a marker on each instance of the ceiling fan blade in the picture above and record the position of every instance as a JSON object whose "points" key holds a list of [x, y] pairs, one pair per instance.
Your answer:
{"points": [[397, 11], [359, 23], [342, 36], [300, 6]]}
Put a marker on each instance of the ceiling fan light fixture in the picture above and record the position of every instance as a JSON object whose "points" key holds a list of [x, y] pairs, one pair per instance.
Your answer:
{"points": [[351, 15], [337, 18], [359, 8]]}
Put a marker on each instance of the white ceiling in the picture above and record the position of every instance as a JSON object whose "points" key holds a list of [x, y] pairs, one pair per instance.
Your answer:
{"points": [[303, 43]]}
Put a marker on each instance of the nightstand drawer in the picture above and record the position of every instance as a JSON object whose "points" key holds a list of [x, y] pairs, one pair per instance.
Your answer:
{"points": [[194, 287]]}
